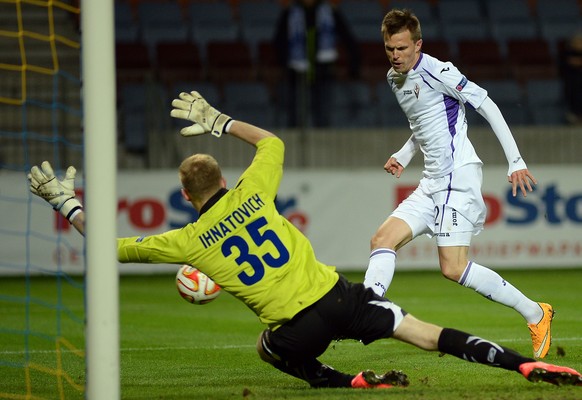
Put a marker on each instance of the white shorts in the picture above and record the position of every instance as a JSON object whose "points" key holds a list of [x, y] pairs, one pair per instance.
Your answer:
{"points": [[450, 208]]}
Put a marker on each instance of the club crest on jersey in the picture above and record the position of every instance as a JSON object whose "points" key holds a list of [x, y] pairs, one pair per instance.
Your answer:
{"points": [[461, 84], [416, 90]]}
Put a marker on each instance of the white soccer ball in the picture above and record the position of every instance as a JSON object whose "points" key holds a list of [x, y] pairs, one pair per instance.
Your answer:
{"points": [[195, 287]]}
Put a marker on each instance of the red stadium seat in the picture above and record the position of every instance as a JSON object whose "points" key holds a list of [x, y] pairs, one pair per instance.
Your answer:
{"points": [[440, 49], [133, 62], [229, 61], [482, 60], [375, 63], [178, 61], [531, 59]]}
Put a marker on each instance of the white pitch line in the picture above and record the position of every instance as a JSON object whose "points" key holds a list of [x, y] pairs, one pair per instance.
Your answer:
{"points": [[348, 342]]}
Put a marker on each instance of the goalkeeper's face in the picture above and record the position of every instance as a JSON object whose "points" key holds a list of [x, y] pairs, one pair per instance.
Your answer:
{"points": [[402, 51]]}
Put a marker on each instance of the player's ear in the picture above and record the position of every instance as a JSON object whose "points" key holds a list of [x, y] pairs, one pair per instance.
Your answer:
{"points": [[185, 194], [223, 182]]}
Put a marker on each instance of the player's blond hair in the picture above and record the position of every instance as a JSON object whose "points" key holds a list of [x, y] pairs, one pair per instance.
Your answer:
{"points": [[396, 21], [200, 174]]}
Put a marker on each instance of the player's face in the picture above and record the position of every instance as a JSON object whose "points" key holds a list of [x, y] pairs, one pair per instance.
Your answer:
{"points": [[402, 51]]}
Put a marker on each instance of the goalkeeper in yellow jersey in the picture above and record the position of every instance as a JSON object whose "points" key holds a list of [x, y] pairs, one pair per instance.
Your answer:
{"points": [[254, 253]]}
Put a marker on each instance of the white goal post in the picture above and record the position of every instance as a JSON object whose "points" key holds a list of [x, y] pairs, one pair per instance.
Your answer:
{"points": [[102, 280]]}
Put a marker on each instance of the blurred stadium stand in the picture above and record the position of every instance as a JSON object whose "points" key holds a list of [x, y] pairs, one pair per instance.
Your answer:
{"points": [[511, 47]]}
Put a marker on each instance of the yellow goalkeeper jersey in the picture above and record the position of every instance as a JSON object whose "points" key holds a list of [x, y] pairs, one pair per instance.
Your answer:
{"points": [[242, 242]]}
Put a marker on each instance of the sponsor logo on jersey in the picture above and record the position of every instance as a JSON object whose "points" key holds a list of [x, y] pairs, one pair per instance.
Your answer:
{"points": [[461, 84]]}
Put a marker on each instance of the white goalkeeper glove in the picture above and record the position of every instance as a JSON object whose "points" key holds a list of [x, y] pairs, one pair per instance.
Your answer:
{"points": [[192, 107], [60, 194]]}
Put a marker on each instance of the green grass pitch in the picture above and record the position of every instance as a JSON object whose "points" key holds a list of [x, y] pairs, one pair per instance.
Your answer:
{"points": [[171, 349]]}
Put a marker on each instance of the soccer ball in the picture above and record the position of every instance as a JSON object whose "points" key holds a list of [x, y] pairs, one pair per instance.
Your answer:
{"points": [[195, 287]]}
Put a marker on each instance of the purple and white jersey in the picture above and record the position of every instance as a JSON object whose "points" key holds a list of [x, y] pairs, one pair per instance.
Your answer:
{"points": [[433, 95]]}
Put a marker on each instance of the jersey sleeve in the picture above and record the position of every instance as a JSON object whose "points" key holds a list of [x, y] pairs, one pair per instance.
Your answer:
{"points": [[154, 249], [456, 85], [266, 170]]}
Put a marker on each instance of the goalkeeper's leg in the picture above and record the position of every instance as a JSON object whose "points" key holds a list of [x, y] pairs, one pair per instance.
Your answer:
{"points": [[308, 369]]}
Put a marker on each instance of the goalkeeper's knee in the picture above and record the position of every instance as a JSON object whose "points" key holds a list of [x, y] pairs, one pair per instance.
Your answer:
{"points": [[264, 350]]}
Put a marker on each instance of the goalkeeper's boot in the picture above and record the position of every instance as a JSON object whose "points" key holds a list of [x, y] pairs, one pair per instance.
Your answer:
{"points": [[540, 332], [538, 371], [369, 380]]}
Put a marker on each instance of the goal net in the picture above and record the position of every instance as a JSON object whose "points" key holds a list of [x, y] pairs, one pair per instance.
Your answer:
{"points": [[42, 292]]}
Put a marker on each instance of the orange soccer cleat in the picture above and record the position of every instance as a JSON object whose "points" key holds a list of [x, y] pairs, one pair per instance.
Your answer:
{"points": [[541, 337], [369, 380], [538, 371]]}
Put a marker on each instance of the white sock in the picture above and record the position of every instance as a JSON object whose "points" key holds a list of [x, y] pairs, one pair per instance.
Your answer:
{"points": [[380, 270], [490, 284]]}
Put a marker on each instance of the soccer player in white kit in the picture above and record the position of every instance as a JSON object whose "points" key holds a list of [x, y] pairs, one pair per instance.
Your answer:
{"points": [[447, 204]]}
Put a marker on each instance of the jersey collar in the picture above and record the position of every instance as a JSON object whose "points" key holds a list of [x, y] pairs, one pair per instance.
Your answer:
{"points": [[213, 200], [418, 61]]}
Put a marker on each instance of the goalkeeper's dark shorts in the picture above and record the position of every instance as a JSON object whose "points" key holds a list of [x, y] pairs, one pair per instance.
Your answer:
{"points": [[347, 311]]}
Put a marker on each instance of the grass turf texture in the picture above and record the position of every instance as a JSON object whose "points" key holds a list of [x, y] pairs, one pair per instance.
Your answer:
{"points": [[171, 349]]}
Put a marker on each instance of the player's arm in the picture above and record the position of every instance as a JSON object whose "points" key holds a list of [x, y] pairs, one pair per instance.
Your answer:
{"points": [[518, 174], [266, 169], [59, 194], [193, 107], [399, 160]]}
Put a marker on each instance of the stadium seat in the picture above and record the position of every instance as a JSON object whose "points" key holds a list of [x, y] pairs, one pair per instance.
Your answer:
{"points": [[212, 21], [229, 61], [558, 10], [375, 63], [508, 10], [364, 17], [257, 22], [462, 19], [251, 102], [161, 22], [389, 112], [351, 104], [530, 59], [178, 61], [556, 31], [126, 28], [545, 98], [481, 59], [138, 114], [218, 12], [342, 64], [132, 62], [424, 10], [510, 98], [511, 19], [440, 49], [131, 112], [558, 20], [269, 69]]}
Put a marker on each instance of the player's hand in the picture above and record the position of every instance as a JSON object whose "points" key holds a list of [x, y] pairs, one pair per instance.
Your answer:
{"points": [[192, 107], [59, 194], [393, 167], [523, 179]]}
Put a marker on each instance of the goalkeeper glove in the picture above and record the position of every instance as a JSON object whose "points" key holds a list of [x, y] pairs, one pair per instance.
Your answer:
{"points": [[193, 107], [60, 194]]}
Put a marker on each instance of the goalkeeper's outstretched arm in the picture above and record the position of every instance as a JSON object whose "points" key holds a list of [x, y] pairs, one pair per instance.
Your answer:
{"points": [[206, 119], [60, 194], [79, 222]]}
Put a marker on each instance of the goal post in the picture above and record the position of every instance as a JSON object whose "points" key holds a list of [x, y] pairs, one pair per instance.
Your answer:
{"points": [[100, 132]]}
